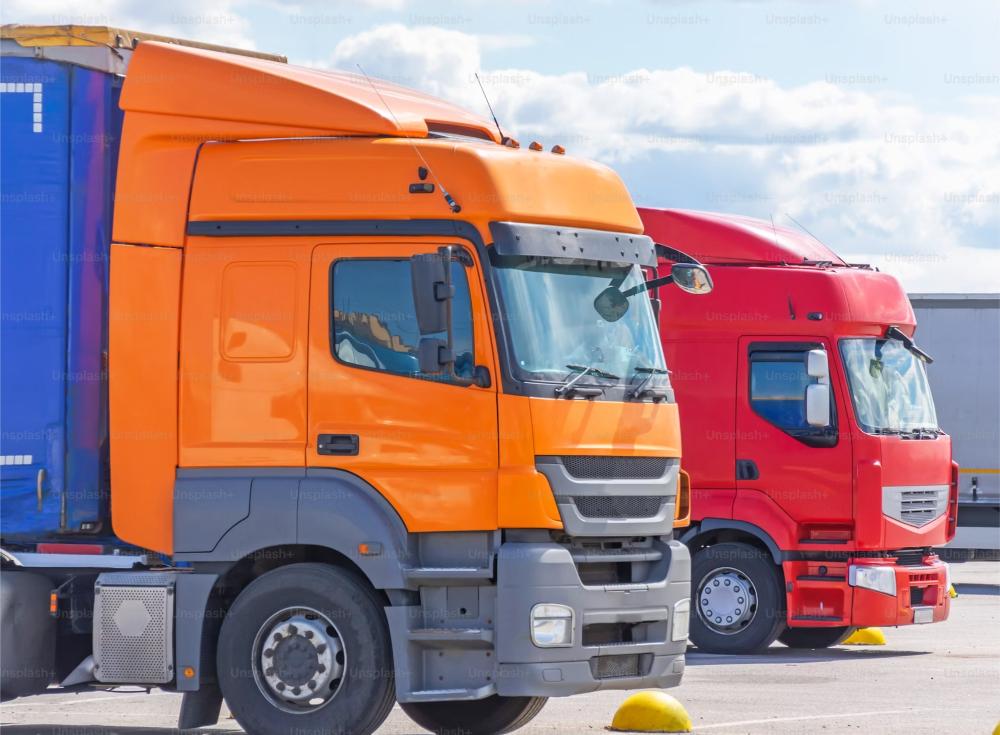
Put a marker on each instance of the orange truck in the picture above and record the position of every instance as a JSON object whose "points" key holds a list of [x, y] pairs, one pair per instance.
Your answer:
{"points": [[387, 416]]}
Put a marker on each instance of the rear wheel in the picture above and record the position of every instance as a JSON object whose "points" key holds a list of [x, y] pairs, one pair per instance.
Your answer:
{"points": [[815, 637], [738, 598], [305, 649], [491, 716]]}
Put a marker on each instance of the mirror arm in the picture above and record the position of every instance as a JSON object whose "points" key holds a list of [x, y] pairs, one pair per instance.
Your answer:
{"points": [[648, 285]]}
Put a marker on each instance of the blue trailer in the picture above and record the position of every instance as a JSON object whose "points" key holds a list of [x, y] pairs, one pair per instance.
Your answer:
{"points": [[60, 127]]}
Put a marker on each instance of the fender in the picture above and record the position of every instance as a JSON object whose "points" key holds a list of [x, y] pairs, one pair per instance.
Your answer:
{"points": [[720, 524], [226, 514]]}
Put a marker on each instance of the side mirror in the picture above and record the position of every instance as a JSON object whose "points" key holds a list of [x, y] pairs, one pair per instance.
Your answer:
{"points": [[433, 355], [692, 278], [611, 304], [432, 290], [817, 364], [818, 404]]}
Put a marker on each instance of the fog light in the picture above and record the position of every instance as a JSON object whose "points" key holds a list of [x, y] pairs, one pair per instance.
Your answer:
{"points": [[878, 578], [551, 625], [682, 620]]}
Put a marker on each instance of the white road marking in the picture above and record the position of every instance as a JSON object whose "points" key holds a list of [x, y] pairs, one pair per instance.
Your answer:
{"points": [[837, 716], [80, 700]]}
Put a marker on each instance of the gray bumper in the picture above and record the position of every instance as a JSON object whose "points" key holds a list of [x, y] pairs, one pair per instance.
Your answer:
{"points": [[533, 573]]}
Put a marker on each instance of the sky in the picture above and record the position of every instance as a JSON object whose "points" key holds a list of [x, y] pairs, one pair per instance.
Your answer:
{"points": [[876, 125]]}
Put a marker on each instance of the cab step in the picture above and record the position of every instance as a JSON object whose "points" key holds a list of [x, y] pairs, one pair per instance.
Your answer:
{"points": [[452, 637], [440, 576], [452, 695]]}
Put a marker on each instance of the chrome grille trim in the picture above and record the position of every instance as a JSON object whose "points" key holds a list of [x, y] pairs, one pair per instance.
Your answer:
{"points": [[915, 505], [615, 506]]}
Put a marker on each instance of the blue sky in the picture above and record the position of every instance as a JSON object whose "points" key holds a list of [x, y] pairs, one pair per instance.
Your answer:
{"points": [[875, 124]]}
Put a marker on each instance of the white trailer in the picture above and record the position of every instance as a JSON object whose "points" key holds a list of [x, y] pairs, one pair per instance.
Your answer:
{"points": [[962, 333]]}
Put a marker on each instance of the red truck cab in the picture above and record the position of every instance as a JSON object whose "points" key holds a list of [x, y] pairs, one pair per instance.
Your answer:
{"points": [[821, 481]]}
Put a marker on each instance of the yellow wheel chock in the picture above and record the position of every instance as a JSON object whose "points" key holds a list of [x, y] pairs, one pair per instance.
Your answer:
{"points": [[651, 711]]}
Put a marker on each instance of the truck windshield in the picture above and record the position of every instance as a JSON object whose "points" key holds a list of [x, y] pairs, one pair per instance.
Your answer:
{"points": [[555, 329], [888, 386]]}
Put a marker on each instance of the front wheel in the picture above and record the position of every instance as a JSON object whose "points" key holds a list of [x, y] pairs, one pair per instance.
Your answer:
{"points": [[491, 716], [305, 649], [815, 637], [738, 598]]}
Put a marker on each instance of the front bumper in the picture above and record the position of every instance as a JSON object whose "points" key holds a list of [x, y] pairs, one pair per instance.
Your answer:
{"points": [[921, 597], [820, 594], [621, 632]]}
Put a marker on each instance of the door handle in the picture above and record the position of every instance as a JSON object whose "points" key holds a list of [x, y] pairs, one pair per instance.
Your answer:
{"points": [[341, 444], [40, 487], [746, 469]]}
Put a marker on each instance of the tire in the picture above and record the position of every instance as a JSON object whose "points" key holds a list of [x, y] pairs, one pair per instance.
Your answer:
{"points": [[748, 586], [815, 637], [491, 716], [304, 602]]}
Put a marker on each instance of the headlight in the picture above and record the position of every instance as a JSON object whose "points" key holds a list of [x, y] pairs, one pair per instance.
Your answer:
{"points": [[551, 625], [878, 578], [682, 620]]}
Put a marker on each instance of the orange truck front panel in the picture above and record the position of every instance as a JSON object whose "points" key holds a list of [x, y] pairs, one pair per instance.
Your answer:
{"points": [[592, 427]]}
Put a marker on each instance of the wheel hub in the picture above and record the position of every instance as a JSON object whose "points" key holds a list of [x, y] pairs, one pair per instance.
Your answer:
{"points": [[727, 600], [298, 659]]}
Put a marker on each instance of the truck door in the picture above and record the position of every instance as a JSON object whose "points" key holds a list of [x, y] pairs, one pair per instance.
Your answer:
{"points": [[426, 442], [787, 469]]}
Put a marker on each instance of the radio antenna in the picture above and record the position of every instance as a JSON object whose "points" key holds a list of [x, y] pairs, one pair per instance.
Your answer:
{"points": [[452, 204], [488, 104], [802, 227]]}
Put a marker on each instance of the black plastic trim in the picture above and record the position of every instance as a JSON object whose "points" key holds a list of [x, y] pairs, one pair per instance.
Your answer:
{"points": [[553, 241], [281, 228], [726, 524]]}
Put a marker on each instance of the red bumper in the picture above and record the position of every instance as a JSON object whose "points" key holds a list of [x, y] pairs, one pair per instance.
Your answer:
{"points": [[819, 594]]}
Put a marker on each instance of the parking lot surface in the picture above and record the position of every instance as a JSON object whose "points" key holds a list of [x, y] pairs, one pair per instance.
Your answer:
{"points": [[942, 678]]}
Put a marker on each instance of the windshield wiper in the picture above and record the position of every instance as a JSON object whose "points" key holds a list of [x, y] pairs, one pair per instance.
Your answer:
{"points": [[923, 432], [640, 391], [581, 370], [896, 333]]}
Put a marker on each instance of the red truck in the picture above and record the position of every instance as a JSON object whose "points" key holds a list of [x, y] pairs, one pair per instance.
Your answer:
{"points": [[821, 481]]}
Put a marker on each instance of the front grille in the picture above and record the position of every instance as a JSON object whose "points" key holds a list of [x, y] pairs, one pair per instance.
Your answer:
{"points": [[615, 468], [910, 557], [619, 506], [598, 634], [918, 507], [620, 666]]}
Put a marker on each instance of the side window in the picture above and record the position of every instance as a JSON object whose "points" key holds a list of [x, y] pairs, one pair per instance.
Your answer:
{"points": [[778, 382], [374, 322]]}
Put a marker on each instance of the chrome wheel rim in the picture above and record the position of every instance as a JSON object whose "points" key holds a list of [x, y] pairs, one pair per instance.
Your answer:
{"points": [[298, 660], [727, 601]]}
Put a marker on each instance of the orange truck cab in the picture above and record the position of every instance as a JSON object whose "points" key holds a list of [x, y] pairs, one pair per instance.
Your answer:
{"points": [[387, 400]]}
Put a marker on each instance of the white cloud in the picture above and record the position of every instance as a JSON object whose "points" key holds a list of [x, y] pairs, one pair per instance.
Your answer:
{"points": [[436, 60], [878, 179]]}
